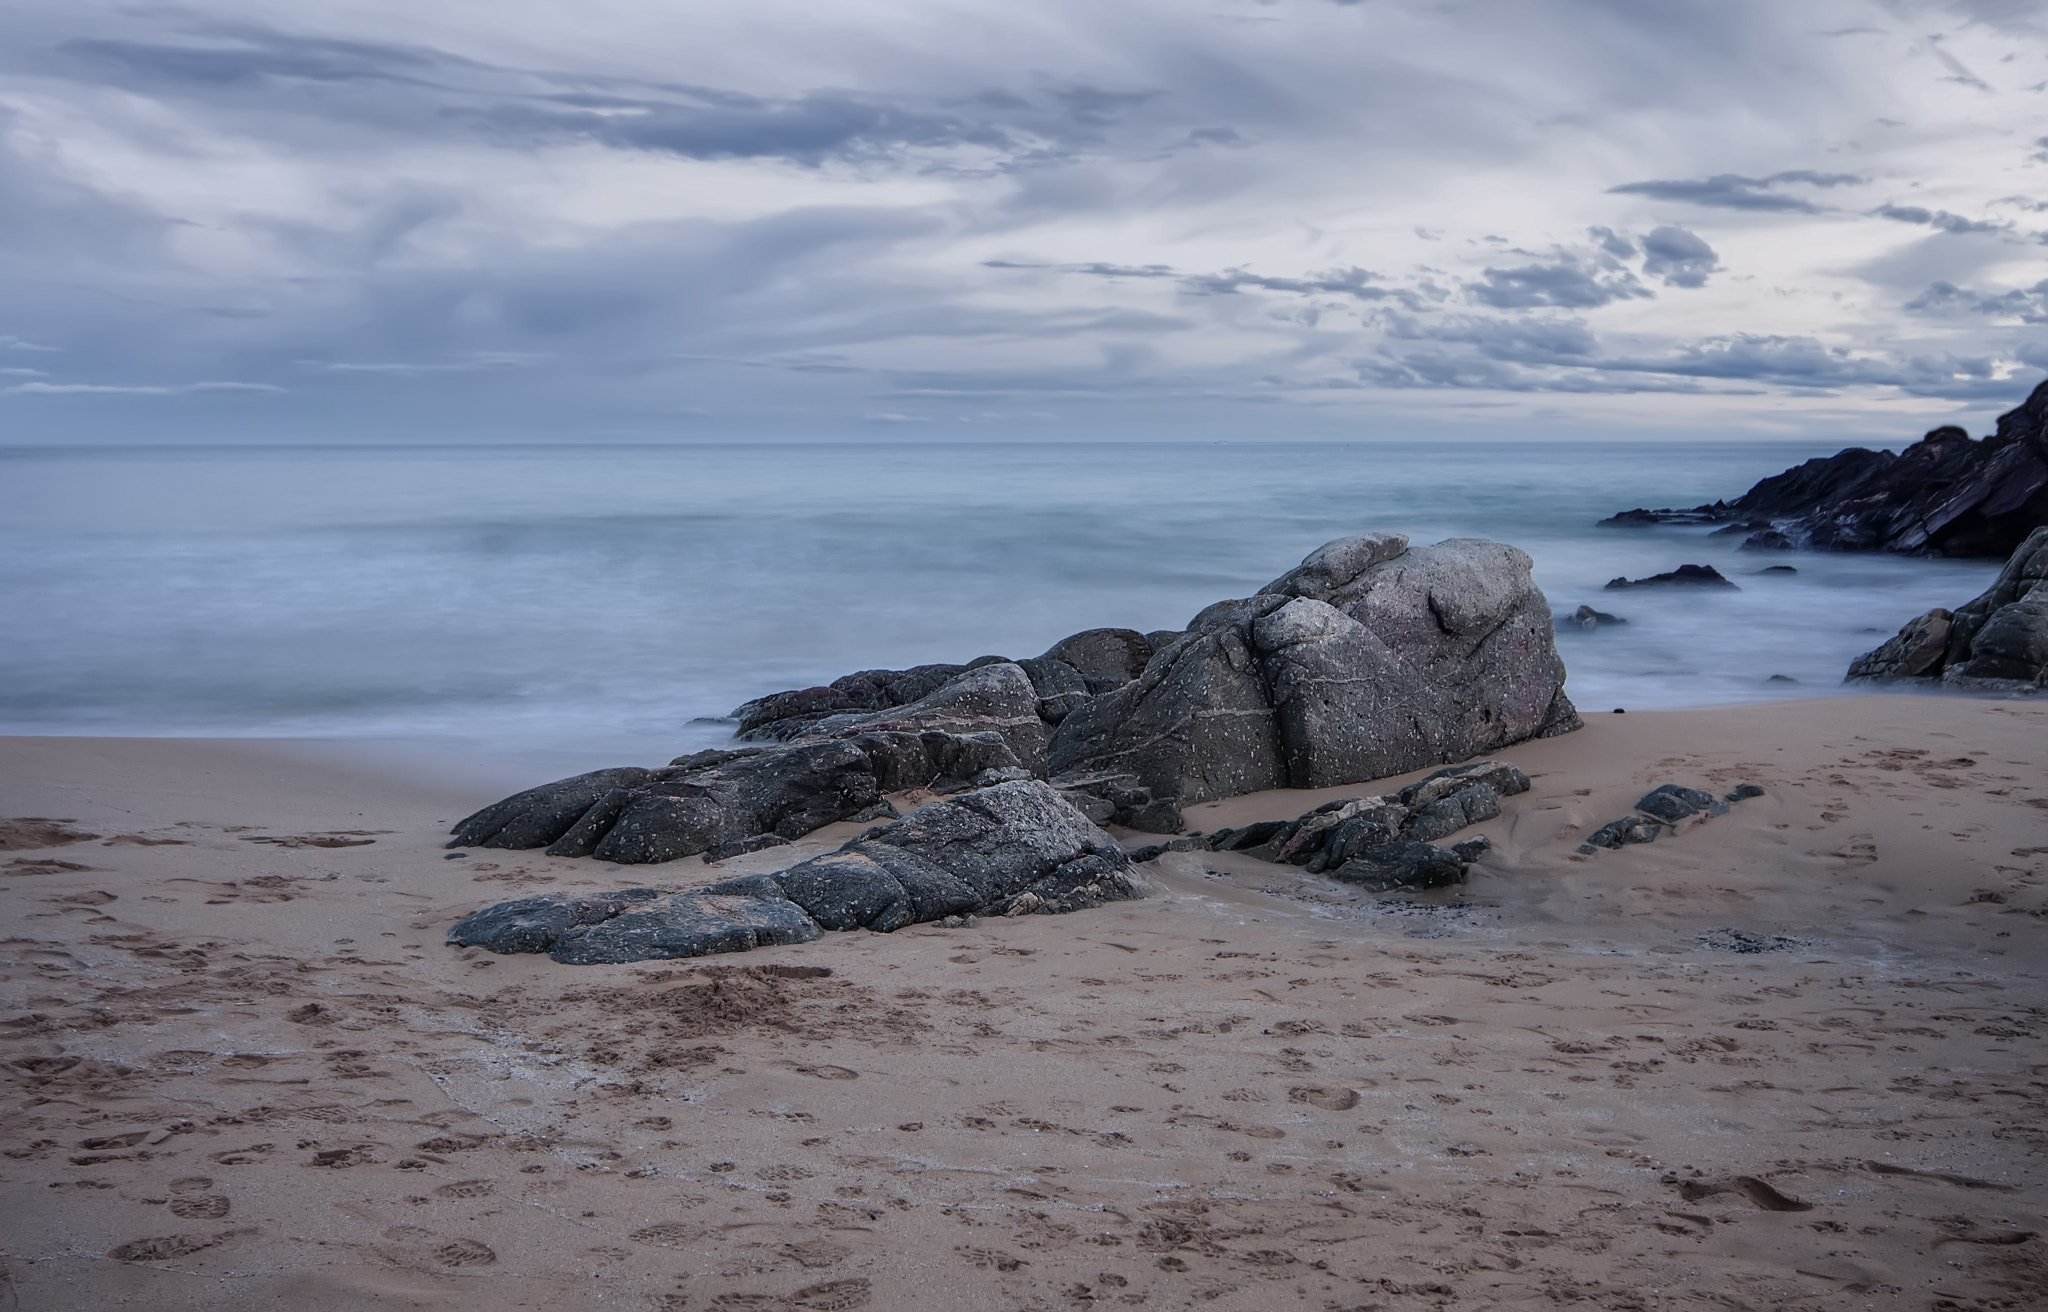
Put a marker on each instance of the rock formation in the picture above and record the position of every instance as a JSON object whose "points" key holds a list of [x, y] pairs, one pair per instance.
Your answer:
{"points": [[1997, 642], [1368, 659], [1012, 848], [1945, 495]]}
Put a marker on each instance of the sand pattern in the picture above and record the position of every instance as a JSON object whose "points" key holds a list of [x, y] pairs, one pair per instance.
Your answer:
{"points": [[1786, 1058]]}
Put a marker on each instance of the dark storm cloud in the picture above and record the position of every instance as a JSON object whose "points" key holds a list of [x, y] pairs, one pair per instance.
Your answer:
{"points": [[1733, 191]]}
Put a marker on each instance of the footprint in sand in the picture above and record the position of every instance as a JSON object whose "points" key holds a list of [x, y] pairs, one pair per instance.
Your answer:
{"points": [[668, 1234], [207, 1207], [834, 1295], [162, 1248], [829, 1072], [463, 1253], [466, 1189], [991, 1259], [1330, 1100], [817, 1253]]}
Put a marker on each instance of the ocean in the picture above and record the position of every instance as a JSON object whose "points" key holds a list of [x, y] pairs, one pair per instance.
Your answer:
{"points": [[563, 607]]}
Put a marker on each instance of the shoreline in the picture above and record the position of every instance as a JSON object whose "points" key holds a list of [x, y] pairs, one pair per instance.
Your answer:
{"points": [[1255, 1088]]}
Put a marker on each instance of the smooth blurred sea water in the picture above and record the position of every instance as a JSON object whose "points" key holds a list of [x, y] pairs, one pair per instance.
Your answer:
{"points": [[587, 603]]}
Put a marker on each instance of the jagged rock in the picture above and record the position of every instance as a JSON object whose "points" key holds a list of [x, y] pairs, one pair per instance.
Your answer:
{"points": [[1997, 641], [1503, 777], [1693, 576], [997, 697], [1402, 864], [719, 802], [1059, 686], [1917, 650], [1418, 656], [1337, 831], [1447, 815], [1945, 495], [1014, 848]]}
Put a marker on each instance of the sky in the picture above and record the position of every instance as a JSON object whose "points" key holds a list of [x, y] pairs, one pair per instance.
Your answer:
{"points": [[373, 221]]}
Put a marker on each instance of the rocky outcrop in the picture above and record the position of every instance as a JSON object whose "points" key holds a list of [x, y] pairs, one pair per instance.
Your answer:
{"points": [[1996, 642], [1945, 495], [1370, 659], [1013, 848]]}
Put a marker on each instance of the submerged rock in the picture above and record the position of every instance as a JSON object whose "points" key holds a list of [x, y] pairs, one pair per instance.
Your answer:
{"points": [[1996, 642], [1685, 576], [1015, 848], [1945, 495], [1588, 618]]}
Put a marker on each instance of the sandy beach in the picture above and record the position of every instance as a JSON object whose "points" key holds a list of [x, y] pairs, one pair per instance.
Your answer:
{"points": [[1785, 1058]]}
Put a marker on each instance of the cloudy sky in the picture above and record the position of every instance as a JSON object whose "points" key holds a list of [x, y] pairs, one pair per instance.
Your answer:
{"points": [[457, 220]]}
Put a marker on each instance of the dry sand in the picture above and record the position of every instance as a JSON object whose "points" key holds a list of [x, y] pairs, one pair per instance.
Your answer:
{"points": [[240, 1069]]}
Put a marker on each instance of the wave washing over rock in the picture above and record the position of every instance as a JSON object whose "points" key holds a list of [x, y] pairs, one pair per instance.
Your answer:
{"points": [[1367, 660], [1945, 495]]}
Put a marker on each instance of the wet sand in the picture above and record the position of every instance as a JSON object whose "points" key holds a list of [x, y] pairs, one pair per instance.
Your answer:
{"points": [[1787, 1058]]}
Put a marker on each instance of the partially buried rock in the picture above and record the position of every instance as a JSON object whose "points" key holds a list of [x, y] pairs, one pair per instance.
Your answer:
{"points": [[1662, 808], [1685, 576], [1588, 618], [1015, 848]]}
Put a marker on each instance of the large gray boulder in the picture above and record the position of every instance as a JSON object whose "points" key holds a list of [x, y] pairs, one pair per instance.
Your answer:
{"points": [[1370, 659], [1996, 642], [1014, 848]]}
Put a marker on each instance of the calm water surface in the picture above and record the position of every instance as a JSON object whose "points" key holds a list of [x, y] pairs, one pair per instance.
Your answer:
{"points": [[589, 603]]}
